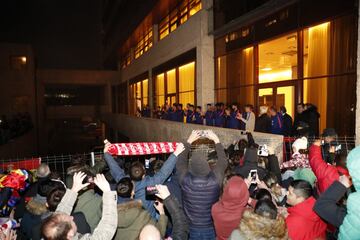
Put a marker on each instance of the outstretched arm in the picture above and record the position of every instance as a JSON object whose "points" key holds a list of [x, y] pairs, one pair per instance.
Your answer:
{"points": [[108, 224], [67, 202], [222, 162], [327, 206], [115, 170], [182, 163], [166, 170], [324, 173]]}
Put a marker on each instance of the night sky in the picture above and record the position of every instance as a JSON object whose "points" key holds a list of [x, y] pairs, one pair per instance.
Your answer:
{"points": [[72, 34], [65, 34]]}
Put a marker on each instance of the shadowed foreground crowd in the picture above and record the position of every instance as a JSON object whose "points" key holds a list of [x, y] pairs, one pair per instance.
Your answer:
{"points": [[237, 193]]}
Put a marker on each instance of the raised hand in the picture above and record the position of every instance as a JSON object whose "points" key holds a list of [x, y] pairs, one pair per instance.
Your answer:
{"points": [[179, 149], [78, 184], [345, 180], [107, 145], [195, 135], [102, 183], [163, 192], [212, 136]]}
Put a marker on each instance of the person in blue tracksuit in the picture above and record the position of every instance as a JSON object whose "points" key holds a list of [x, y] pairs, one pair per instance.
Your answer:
{"points": [[180, 113], [277, 125], [199, 119], [219, 116], [234, 122], [209, 115], [172, 113], [141, 181], [190, 113]]}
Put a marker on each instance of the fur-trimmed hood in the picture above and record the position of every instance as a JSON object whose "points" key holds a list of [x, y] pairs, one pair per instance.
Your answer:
{"points": [[37, 206], [132, 215], [256, 227]]}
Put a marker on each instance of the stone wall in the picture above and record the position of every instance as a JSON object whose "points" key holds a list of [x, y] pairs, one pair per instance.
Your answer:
{"points": [[148, 130]]}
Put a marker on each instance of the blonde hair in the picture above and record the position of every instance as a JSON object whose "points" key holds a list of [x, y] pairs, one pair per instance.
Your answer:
{"points": [[263, 110]]}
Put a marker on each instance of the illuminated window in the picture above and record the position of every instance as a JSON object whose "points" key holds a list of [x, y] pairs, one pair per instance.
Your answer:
{"points": [[187, 83], [176, 85], [18, 62], [139, 95], [144, 44], [278, 59], [178, 16], [126, 60]]}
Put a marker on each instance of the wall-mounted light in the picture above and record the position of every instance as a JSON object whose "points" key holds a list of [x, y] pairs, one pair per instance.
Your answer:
{"points": [[23, 59]]}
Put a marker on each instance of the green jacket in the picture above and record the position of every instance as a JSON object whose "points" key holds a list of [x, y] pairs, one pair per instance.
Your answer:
{"points": [[132, 218], [107, 226], [90, 204], [350, 228]]}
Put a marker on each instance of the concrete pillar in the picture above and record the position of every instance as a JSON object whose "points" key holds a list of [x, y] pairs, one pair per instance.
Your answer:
{"points": [[150, 85], [357, 123], [155, 33], [205, 74]]}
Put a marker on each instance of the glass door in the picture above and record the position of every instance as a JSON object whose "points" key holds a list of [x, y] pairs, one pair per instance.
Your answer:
{"points": [[275, 95], [171, 99]]}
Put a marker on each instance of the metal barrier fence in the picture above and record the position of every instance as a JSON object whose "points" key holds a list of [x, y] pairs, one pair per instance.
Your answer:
{"points": [[347, 144], [60, 163]]}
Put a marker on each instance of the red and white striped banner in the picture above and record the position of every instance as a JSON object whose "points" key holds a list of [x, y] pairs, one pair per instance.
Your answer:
{"points": [[28, 164], [130, 149]]}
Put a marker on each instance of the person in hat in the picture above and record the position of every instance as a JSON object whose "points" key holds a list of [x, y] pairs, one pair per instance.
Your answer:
{"points": [[299, 159], [200, 185]]}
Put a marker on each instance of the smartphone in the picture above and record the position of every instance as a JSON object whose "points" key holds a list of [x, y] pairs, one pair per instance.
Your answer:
{"points": [[151, 190], [147, 163], [253, 174]]}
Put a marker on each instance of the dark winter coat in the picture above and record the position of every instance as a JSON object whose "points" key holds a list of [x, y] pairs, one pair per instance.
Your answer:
{"points": [[263, 124], [200, 185], [180, 229]]}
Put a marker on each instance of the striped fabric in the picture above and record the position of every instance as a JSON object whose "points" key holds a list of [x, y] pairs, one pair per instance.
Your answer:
{"points": [[130, 149]]}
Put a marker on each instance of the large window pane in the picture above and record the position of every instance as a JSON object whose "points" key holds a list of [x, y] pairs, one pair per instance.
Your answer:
{"points": [[240, 68], [160, 89], [187, 77], [171, 81], [316, 50], [221, 95], [221, 72], [186, 98], [145, 89], [278, 59]]}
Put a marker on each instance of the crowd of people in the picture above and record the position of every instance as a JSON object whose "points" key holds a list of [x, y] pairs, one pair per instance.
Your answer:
{"points": [[14, 127], [236, 193], [269, 120]]}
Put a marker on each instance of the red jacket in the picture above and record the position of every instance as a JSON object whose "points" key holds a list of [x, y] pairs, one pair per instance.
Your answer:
{"points": [[303, 223], [326, 174], [228, 211]]}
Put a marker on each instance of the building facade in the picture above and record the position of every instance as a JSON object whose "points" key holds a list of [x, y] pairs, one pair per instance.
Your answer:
{"points": [[263, 52]]}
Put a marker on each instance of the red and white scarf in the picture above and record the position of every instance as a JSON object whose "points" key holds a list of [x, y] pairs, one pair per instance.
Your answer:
{"points": [[145, 148]]}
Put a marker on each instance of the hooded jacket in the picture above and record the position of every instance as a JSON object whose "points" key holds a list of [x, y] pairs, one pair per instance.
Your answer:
{"points": [[132, 218], [256, 227], [200, 185], [35, 209], [350, 228], [326, 174], [227, 212], [303, 223], [107, 226]]}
